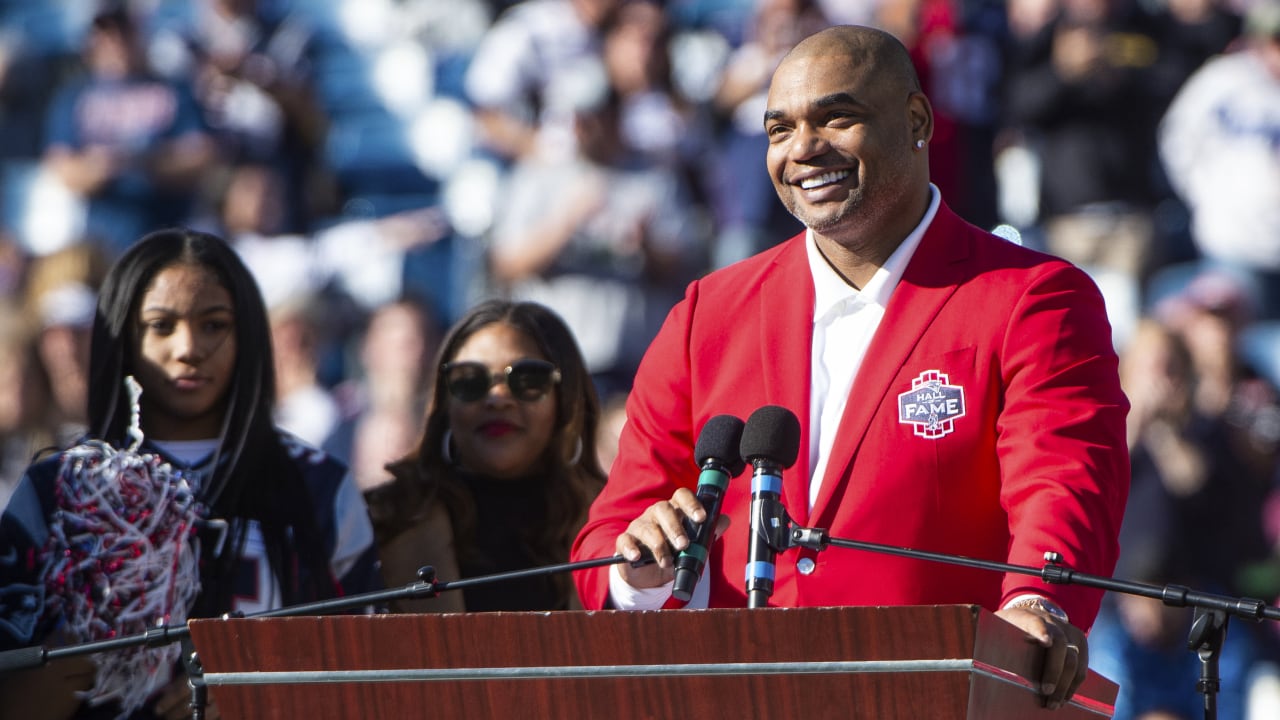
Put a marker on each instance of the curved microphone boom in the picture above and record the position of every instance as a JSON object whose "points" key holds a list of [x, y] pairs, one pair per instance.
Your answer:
{"points": [[717, 454], [770, 442]]}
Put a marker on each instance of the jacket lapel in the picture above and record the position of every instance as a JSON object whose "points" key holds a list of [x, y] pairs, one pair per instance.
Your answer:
{"points": [[928, 281]]}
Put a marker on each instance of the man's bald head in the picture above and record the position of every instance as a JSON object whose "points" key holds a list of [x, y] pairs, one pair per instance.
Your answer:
{"points": [[864, 46], [848, 126]]}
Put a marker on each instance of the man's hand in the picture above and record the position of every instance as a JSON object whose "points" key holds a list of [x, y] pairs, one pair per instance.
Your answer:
{"points": [[1066, 659], [660, 529]]}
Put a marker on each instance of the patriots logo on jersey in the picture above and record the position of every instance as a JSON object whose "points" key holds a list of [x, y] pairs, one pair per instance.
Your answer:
{"points": [[932, 405]]}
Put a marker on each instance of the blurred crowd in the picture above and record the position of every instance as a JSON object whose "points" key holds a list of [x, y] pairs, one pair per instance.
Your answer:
{"points": [[383, 165]]}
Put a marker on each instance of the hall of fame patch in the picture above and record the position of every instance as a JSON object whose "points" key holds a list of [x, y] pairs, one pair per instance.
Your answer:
{"points": [[932, 405]]}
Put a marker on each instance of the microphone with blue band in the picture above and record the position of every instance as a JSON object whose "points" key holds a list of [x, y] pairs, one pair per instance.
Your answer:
{"points": [[770, 442]]}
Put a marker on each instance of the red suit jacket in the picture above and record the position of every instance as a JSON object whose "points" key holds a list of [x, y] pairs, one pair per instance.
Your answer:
{"points": [[986, 421]]}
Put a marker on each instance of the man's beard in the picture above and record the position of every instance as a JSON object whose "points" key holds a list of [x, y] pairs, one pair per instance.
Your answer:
{"points": [[824, 222]]}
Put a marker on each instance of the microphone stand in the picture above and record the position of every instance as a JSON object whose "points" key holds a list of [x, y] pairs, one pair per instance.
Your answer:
{"points": [[1208, 628], [427, 586]]}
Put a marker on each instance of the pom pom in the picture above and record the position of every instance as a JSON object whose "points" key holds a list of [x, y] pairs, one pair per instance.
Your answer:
{"points": [[122, 558]]}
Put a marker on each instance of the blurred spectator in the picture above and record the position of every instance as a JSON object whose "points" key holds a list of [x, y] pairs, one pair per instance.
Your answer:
{"points": [[851, 13], [25, 81], [1187, 479], [1190, 468], [604, 238], [13, 268], [656, 119], [304, 406], [61, 295], [956, 49], [1077, 84], [1017, 161], [252, 211], [251, 66], [746, 208], [367, 259], [361, 258], [66, 317], [1237, 427], [383, 404], [132, 145], [1220, 144], [1209, 315], [512, 76], [26, 425], [1191, 32]]}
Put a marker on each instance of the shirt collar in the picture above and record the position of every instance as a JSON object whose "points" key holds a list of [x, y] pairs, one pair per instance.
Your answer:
{"points": [[189, 454], [832, 293]]}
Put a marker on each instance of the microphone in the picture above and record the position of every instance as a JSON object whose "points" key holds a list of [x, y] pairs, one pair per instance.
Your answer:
{"points": [[717, 454], [770, 442]]}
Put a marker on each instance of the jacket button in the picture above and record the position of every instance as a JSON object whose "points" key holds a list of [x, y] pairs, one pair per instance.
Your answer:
{"points": [[805, 566]]}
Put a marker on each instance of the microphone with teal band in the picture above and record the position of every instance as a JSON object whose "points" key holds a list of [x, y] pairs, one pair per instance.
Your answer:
{"points": [[717, 454]]}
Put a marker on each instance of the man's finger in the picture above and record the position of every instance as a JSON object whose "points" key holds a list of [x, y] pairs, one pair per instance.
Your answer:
{"points": [[652, 536], [1064, 685], [1051, 677], [671, 522], [637, 575], [686, 505], [627, 547], [1082, 669]]}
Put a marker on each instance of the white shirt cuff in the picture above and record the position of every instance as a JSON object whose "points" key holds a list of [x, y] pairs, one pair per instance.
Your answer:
{"points": [[626, 597]]}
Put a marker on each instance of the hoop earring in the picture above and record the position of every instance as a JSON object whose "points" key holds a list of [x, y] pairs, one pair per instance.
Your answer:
{"points": [[446, 449], [577, 451]]}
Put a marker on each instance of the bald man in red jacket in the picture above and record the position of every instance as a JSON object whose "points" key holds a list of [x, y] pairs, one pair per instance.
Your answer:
{"points": [[957, 393]]}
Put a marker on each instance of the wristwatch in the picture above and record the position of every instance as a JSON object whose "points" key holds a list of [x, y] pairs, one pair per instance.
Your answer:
{"points": [[1035, 602]]}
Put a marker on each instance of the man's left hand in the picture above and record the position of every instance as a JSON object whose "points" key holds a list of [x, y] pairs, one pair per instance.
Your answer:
{"points": [[1066, 659]]}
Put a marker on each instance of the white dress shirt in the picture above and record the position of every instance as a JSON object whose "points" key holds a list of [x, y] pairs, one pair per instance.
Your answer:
{"points": [[844, 321]]}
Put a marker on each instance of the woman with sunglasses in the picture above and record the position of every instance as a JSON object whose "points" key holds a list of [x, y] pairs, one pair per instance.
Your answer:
{"points": [[183, 489], [506, 467]]}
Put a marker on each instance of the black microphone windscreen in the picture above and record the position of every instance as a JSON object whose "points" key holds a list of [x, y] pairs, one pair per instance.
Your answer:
{"points": [[771, 433], [720, 440]]}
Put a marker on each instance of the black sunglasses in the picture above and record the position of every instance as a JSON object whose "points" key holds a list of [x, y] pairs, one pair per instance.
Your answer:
{"points": [[529, 380]]}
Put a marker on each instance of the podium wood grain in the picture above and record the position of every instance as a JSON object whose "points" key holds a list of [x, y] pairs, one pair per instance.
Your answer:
{"points": [[882, 641]]}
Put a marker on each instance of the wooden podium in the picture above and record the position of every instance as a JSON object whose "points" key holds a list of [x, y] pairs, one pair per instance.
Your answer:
{"points": [[934, 662]]}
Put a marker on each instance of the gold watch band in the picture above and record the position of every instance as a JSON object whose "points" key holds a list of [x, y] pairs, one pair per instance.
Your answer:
{"points": [[1040, 603]]}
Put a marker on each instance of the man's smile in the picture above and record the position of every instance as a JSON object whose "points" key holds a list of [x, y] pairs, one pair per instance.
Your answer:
{"points": [[827, 178]]}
